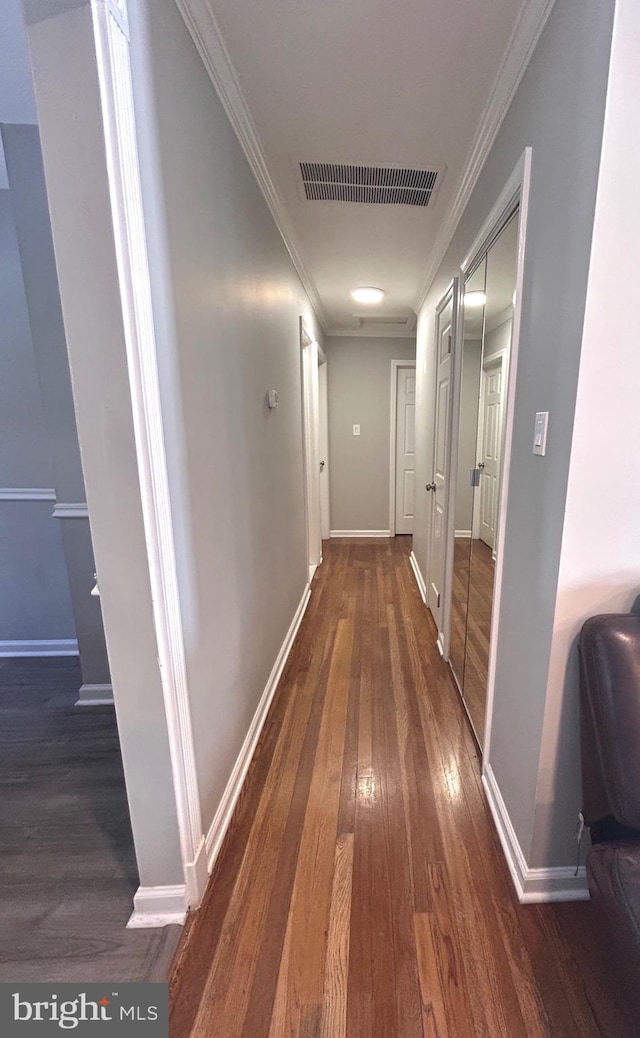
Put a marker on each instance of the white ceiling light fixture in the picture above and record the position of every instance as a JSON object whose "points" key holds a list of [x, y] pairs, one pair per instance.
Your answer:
{"points": [[474, 298], [367, 295]]}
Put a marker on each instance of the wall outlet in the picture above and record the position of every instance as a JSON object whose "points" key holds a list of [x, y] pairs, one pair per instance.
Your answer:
{"points": [[356, 430]]}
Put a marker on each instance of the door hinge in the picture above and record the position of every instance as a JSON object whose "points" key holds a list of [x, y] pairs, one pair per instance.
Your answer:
{"points": [[438, 599]]}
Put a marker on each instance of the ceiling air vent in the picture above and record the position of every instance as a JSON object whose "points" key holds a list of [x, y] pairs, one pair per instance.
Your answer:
{"points": [[396, 323], [372, 185]]}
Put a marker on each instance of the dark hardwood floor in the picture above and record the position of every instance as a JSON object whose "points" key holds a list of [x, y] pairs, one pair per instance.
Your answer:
{"points": [[67, 865], [361, 891]]}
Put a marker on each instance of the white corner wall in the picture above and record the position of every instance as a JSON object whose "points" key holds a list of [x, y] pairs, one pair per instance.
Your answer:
{"points": [[600, 560]]}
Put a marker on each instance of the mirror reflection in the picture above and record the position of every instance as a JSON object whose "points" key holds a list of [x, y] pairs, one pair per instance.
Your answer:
{"points": [[488, 317]]}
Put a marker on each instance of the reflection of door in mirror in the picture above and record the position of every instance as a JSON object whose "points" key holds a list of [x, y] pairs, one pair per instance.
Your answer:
{"points": [[438, 485], [482, 403], [473, 316]]}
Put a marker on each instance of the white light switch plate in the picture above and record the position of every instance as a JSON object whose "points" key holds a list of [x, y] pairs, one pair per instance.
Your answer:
{"points": [[356, 430], [540, 433]]}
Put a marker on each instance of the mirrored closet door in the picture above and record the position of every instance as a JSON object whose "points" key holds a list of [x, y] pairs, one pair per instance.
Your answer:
{"points": [[489, 295]]}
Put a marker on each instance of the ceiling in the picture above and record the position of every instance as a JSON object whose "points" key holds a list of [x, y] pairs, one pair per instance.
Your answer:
{"points": [[365, 82]]}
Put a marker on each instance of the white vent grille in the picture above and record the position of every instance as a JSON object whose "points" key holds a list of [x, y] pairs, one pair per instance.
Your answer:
{"points": [[372, 185], [382, 319]]}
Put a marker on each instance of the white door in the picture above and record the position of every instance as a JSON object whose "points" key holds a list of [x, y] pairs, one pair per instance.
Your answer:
{"points": [[324, 450], [405, 448], [310, 409], [491, 440], [437, 487]]}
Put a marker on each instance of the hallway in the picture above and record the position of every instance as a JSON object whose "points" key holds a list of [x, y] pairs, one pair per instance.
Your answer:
{"points": [[361, 889]]}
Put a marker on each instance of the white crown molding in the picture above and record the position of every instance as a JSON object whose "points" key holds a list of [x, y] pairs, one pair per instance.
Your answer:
{"points": [[522, 42], [205, 32], [65, 510], [27, 494]]}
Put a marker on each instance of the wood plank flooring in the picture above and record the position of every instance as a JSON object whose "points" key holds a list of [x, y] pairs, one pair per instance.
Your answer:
{"points": [[67, 864], [471, 610], [361, 891]]}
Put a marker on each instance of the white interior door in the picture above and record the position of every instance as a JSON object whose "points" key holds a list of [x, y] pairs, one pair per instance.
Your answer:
{"points": [[311, 427], [441, 458], [405, 448], [324, 451], [490, 447]]}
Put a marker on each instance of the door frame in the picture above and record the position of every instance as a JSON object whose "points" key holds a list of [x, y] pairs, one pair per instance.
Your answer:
{"points": [[514, 196], [323, 445], [396, 365], [309, 360]]}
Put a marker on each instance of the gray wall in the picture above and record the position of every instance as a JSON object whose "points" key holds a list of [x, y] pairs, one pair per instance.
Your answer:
{"points": [[34, 591], [31, 212], [558, 110], [227, 303], [359, 388]]}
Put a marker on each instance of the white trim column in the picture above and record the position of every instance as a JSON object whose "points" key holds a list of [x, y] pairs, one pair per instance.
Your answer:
{"points": [[83, 85]]}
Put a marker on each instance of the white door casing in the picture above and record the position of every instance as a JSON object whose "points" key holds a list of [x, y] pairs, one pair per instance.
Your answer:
{"points": [[438, 485], [325, 509], [311, 453], [403, 446]]}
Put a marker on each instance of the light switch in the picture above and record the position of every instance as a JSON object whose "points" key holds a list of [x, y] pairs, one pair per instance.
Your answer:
{"points": [[540, 433], [356, 430]]}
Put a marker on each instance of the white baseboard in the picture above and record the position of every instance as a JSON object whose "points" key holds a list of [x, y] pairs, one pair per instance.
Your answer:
{"points": [[27, 494], [532, 885], [422, 587], [158, 906], [196, 875], [95, 695], [54, 647], [224, 813], [359, 533], [463, 533]]}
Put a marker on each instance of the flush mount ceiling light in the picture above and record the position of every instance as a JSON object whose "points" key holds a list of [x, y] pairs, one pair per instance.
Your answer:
{"points": [[367, 295], [474, 299]]}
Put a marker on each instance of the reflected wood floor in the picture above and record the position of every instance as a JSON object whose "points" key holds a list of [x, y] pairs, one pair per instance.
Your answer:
{"points": [[471, 610], [361, 891]]}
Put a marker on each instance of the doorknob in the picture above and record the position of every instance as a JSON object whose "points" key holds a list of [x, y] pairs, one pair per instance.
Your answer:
{"points": [[321, 465], [430, 486], [481, 464]]}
